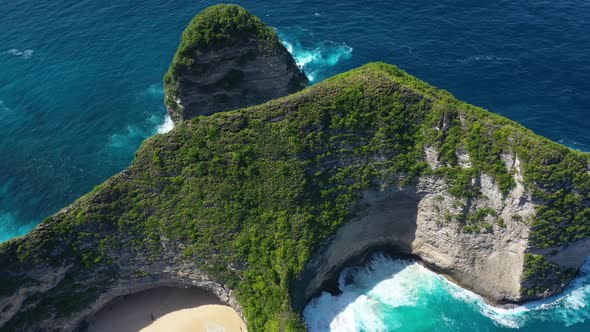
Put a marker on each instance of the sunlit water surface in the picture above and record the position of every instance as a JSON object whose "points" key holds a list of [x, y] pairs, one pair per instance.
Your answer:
{"points": [[80, 89]]}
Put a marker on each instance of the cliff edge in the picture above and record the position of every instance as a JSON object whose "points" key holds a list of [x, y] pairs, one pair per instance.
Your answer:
{"points": [[228, 59]]}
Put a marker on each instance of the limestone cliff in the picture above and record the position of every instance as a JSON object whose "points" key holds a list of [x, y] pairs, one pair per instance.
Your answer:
{"points": [[228, 59], [264, 205]]}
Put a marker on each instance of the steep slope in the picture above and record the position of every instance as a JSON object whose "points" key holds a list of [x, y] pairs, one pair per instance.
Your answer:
{"points": [[228, 59], [264, 205]]}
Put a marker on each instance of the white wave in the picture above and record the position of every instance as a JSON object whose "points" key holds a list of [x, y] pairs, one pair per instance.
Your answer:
{"points": [[134, 134], [162, 124], [156, 122], [385, 285], [490, 58], [568, 308], [360, 305], [166, 126], [25, 54], [311, 55]]}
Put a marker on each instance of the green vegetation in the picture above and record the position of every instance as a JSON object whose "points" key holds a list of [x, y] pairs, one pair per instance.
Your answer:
{"points": [[536, 266], [65, 299], [471, 228], [221, 25], [252, 193], [214, 28], [474, 222], [480, 214], [560, 177], [543, 274]]}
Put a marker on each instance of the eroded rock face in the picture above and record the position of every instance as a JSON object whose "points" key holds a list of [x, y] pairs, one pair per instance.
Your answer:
{"points": [[136, 271], [241, 203], [224, 66], [422, 221]]}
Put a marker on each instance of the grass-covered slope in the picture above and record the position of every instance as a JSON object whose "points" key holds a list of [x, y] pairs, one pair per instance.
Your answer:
{"points": [[215, 28], [251, 193]]}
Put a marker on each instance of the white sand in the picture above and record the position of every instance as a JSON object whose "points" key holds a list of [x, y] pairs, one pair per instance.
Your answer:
{"points": [[206, 318], [167, 309]]}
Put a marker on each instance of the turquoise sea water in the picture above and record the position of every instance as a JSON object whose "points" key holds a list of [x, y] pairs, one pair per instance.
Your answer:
{"points": [[80, 89], [402, 295]]}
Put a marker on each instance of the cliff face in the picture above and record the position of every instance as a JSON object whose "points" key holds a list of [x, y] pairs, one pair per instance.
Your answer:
{"points": [[481, 242], [419, 220], [263, 206], [228, 59]]}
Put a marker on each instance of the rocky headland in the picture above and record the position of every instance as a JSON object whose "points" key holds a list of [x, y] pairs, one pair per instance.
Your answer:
{"points": [[228, 59], [263, 206]]}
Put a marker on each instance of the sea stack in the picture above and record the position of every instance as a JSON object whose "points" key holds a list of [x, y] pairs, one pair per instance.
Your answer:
{"points": [[228, 59]]}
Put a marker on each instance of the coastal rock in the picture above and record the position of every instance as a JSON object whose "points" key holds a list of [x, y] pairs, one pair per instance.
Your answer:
{"points": [[264, 206], [228, 59], [68, 285], [419, 221]]}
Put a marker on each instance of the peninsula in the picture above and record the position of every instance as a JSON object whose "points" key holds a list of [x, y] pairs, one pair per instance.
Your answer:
{"points": [[264, 205]]}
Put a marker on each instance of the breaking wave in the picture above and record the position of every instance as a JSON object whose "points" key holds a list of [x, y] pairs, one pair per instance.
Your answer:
{"points": [[166, 126], [134, 134], [315, 57], [25, 54], [155, 123], [402, 295]]}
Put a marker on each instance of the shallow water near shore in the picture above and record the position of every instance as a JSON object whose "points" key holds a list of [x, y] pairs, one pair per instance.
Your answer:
{"points": [[80, 89], [402, 295]]}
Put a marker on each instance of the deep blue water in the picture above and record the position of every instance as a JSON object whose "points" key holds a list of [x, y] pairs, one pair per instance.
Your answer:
{"points": [[80, 81]]}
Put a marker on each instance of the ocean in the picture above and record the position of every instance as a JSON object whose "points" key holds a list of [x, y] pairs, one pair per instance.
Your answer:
{"points": [[402, 295], [80, 89]]}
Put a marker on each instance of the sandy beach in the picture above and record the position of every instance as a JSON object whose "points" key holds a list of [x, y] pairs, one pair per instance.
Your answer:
{"points": [[167, 309], [206, 318]]}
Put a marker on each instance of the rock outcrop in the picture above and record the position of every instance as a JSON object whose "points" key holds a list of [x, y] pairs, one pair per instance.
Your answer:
{"points": [[411, 221], [228, 59], [263, 206]]}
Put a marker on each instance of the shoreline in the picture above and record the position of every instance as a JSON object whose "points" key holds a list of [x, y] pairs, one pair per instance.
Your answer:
{"points": [[205, 318], [331, 284], [166, 309]]}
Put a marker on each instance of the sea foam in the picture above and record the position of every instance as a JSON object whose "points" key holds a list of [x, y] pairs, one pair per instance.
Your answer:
{"points": [[25, 54], [392, 294], [156, 122], [313, 56], [166, 126]]}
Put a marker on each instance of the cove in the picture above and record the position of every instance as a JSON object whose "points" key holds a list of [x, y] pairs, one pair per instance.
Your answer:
{"points": [[393, 294]]}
